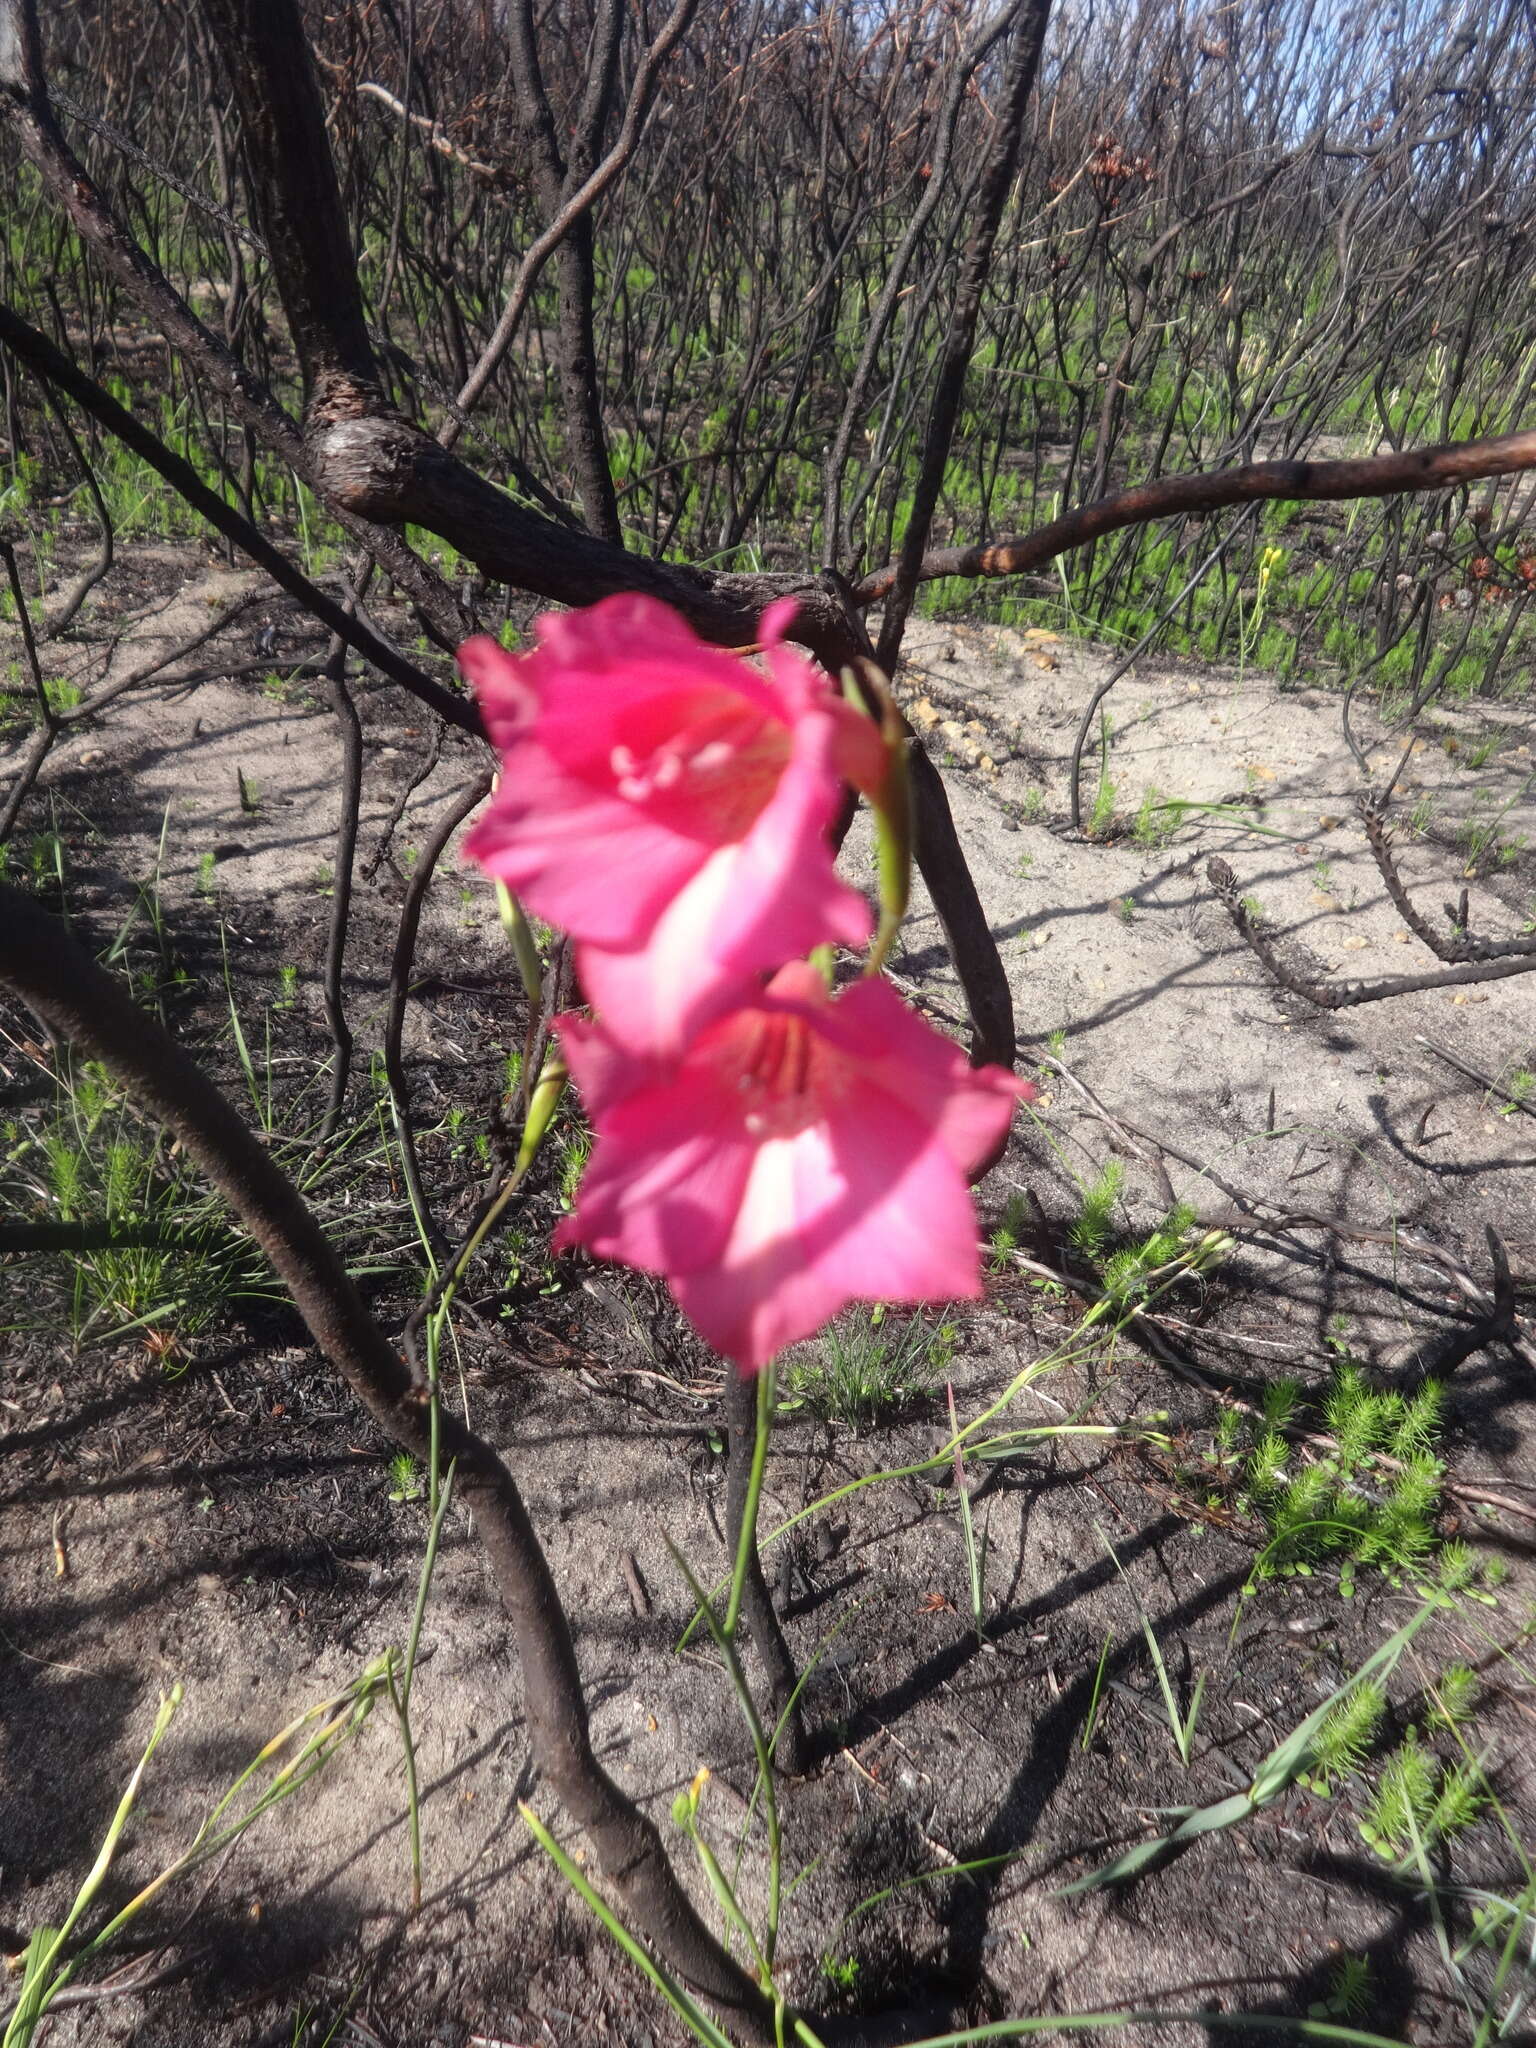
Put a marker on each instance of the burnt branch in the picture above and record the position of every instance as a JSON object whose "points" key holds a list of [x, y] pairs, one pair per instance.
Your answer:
{"points": [[1460, 945], [568, 206], [297, 200], [792, 1753], [1030, 20], [401, 966], [494, 174], [350, 731], [1489, 1083], [835, 540], [40, 355], [1167, 497], [1346, 995], [55, 978], [48, 719], [24, 101]]}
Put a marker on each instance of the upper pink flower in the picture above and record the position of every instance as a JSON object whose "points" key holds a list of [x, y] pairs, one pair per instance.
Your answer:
{"points": [[802, 1153], [667, 804]]}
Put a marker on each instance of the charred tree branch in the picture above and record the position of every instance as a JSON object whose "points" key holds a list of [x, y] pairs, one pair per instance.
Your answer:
{"points": [[1372, 476], [1345, 995], [43, 965], [1461, 945], [39, 354]]}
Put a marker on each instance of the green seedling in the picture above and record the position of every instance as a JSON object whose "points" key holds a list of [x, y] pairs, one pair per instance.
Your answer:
{"points": [[1349, 1991], [407, 1481], [1284, 1766], [1090, 1229], [865, 1371], [1008, 1232], [1180, 1723]]}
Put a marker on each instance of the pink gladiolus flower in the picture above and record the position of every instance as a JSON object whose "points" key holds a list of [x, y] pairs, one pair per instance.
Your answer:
{"points": [[667, 804], [802, 1153]]}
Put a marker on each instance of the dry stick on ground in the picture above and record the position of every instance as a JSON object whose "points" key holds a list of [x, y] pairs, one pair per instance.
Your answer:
{"points": [[56, 722], [407, 790], [1345, 995], [42, 964], [147, 671], [1489, 1082]]}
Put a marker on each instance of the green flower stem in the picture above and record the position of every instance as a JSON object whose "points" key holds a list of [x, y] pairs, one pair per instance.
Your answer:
{"points": [[747, 1541], [400, 1693], [727, 1648]]}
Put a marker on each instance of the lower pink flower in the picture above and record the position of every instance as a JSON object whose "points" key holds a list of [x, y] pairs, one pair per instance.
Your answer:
{"points": [[803, 1152]]}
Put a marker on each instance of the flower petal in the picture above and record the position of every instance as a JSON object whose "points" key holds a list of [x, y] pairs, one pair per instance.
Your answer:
{"points": [[666, 1176], [859, 1210], [898, 1052], [632, 752], [745, 908]]}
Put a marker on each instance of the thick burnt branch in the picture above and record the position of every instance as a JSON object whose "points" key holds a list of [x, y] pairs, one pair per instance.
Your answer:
{"points": [[1345, 995], [297, 200], [1372, 476], [44, 966]]}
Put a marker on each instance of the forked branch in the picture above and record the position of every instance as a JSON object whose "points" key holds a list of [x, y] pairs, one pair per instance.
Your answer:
{"points": [[1346, 995], [1460, 945]]}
